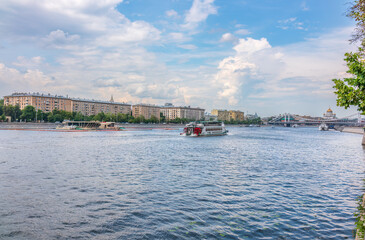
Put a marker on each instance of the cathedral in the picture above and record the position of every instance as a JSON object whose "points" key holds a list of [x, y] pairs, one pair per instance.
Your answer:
{"points": [[329, 115]]}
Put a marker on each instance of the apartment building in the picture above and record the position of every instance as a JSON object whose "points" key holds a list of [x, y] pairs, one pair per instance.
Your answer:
{"points": [[48, 103], [236, 115], [146, 110], [222, 115], [88, 108], [225, 115], [44, 102], [171, 112]]}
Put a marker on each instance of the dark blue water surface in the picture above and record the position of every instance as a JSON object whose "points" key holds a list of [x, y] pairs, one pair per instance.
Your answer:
{"points": [[255, 183]]}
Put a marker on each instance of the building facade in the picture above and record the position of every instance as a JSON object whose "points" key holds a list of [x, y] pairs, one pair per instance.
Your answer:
{"points": [[225, 115], [146, 110], [329, 115], [236, 115], [48, 103], [222, 115], [94, 107], [171, 113]]}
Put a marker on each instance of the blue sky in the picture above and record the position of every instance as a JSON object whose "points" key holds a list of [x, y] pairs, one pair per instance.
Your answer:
{"points": [[264, 56]]}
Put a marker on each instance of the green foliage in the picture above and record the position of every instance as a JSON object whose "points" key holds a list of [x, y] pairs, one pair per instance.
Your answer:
{"points": [[99, 117], [162, 117], [256, 121], [28, 113], [351, 91], [360, 228], [13, 111], [153, 119], [1, 106], [357, 12], [79, 117]]}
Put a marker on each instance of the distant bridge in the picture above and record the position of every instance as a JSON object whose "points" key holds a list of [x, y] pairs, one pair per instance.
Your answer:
{"points": [[288, 120]]}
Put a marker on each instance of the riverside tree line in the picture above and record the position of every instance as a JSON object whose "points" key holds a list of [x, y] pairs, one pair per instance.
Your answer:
{"points": [[29, 114]]}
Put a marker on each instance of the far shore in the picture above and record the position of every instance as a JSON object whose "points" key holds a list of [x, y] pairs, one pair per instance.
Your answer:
{"points": [[132, 126]]}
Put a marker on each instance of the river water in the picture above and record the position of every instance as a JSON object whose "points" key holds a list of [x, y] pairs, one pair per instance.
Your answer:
{"points": [[255, 183]]}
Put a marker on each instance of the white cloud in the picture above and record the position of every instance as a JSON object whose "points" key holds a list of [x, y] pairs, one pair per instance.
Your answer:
{"points": [[178, 37], [32, 63], [62, 22], [290, 76], [187, 46], [291, 23], [234, 70], [242, 32], [172, 14], [228, 37], [238, 25], [199, 12], [31, 79], [304, 6], [59, 39], [250, 46]]}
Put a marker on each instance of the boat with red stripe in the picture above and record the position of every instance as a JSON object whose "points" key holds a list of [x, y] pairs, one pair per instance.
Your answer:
{"points": [[204, 128]]}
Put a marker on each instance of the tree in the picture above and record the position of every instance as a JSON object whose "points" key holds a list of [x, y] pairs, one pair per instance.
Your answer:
{"points": [[99, 117], [1, 106], [78, 117], [357, 12], [28, 113], [153, 119], [13, 111], [58, 117], [162, 117], [351, 91], [17, 112]]}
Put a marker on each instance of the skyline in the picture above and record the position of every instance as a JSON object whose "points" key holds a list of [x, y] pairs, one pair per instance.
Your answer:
{"points": [[265, 57]]}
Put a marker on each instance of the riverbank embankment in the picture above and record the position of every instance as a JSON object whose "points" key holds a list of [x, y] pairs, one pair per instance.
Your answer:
{"points": [[357, 130], [52, 126]]}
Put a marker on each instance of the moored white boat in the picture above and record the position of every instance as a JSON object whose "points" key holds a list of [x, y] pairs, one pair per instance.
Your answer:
{"points": [[205, 128], [323, 127]]}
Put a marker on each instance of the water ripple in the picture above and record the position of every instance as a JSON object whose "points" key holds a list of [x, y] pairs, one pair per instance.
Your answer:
{"points": [[259, 183]]}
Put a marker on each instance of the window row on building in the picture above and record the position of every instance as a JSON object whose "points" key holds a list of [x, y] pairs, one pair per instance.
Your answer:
{"points": [[48, 103]]}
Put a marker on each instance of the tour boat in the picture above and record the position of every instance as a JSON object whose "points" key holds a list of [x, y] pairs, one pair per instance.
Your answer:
{"points": [[204, 128]]}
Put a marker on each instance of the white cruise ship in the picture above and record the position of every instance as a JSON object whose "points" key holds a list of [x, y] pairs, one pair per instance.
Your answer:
{"points": [[205, 128]]}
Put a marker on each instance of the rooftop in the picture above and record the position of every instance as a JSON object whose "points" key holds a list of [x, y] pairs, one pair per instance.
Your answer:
{"points": [[37, 94]]}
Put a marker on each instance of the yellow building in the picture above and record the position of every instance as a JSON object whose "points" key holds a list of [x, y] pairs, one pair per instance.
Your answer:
{"points": [[222, 115], [236, 115], [146, 110], [48, 103]]}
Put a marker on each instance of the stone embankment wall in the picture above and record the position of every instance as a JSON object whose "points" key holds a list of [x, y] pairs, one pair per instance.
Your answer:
{"points": [[358, 130], [30, 125]]}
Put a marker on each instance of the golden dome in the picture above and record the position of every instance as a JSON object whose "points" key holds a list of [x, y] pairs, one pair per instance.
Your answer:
{"points": [[329, 110]]}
